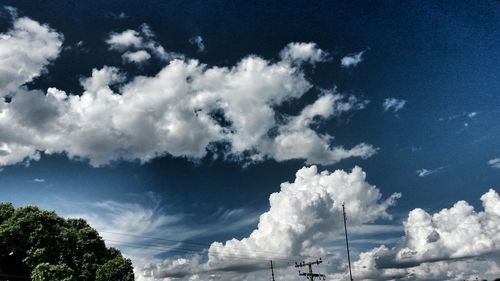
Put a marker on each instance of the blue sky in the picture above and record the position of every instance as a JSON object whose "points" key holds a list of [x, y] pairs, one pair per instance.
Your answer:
{"points": [[178, 120]]}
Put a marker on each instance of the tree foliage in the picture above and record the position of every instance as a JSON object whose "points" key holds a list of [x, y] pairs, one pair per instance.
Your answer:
{"points": [[46, 247]]}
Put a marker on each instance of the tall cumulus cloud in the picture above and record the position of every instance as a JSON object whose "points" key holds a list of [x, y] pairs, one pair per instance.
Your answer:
{"points": [[452, 244], [301, 215]]}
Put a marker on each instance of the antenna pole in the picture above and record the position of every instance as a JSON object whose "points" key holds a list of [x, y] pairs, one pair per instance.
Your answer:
{"points": [[272, 270], [347, 241]]}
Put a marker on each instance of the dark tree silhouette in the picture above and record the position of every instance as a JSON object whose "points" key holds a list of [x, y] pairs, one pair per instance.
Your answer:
{"points": [[39, 244]]}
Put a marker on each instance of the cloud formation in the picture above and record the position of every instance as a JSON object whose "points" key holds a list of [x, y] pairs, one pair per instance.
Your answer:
{"points": [[452, 244], [494, 163], [303, 52], [435, 245], [136, 57], [25, 50], [426, 172], [352, 60], [137, 46], [300, 215], [144, 230], [393, 104], [198, 42], [187, 109]]}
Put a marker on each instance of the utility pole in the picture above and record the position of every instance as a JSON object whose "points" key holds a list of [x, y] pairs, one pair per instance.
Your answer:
{"points": [[347, 241], [310, 275], [272, 270]]}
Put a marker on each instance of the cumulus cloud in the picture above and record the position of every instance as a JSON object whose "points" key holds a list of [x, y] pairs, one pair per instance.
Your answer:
{"points": [[303, 52], [136, 57], [124, 40], [300, 215], [435, 245], [25, 50], [352, 60], [198, 42], [138, 45], [494, 163], [296, 139], [186, 110], [452, 244], [393, 104]]}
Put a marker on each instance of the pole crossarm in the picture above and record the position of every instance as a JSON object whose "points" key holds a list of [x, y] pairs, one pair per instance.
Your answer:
{"points": [[310, 275]]}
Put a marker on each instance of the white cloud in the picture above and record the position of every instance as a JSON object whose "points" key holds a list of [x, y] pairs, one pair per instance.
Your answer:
{"points": [[137, 46], [436, 245], [301, 214], [25, 50], [352, 60], [125, 40], [136, 57], [198, 42], [39, 180], [393, 104], [472, 114], [303, 52], [296, 139], [475, 269], [426, 172], [494, 163], [182, 111], [453, 244]]}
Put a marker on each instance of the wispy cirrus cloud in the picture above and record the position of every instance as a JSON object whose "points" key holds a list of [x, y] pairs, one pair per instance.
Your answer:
{"points": [[144, 231], [427, 172]]}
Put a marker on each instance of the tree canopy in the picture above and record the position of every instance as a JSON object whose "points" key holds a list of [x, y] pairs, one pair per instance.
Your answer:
{"points": [[40, 245]]}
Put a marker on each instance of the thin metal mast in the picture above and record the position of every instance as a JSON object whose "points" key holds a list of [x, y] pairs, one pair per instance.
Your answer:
{"points": [[272, 270], [347, 241]]}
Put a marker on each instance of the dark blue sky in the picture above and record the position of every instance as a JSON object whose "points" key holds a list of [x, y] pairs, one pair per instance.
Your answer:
{"points": [[441, 57]]}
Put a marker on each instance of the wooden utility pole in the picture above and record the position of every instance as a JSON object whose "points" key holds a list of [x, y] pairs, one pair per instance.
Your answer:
{"points": [[310, 274], [347, 241]]}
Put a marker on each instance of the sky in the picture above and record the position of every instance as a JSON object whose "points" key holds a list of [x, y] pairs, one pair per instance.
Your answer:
{"points": [[206, 138]]}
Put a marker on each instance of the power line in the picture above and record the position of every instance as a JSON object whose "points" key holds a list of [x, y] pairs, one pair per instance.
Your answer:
{"points": [[193, 251], [14, 276], [273, 253]]}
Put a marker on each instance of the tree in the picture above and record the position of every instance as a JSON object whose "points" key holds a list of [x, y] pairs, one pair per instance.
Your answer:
{"points": [[40, 244], [118, 269], [49, 272]]}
